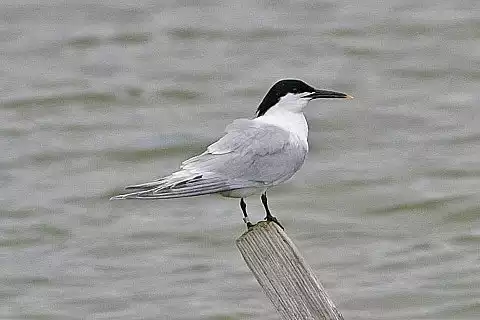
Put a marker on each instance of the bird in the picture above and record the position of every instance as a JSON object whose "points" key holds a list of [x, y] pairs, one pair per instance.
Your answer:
{"points": [[253, 155]]}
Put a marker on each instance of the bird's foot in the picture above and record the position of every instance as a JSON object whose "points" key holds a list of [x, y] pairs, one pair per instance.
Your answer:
{"points": [[274, 219], [248, 223]]}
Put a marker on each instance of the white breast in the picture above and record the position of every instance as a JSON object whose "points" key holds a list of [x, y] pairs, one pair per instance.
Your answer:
{"points": [[293, 122]]}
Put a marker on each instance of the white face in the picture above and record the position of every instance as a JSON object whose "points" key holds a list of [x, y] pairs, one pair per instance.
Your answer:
{"points": [[292, 102]]}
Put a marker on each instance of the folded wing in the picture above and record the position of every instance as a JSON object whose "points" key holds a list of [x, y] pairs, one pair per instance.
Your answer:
{"points": [[249, 155]]}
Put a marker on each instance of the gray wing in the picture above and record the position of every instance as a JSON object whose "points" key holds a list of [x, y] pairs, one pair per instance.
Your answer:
{"points": [[250, 154], [254, 151]]}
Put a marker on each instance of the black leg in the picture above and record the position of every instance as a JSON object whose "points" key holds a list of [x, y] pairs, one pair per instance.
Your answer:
{"points": [[243, 206], [269, 216]]}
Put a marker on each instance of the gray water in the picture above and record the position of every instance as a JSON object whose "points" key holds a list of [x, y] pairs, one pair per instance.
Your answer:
{"points": [[97, 95]]}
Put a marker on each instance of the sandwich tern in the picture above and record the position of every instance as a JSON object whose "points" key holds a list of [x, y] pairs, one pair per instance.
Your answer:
{"points": [[253, 155]]}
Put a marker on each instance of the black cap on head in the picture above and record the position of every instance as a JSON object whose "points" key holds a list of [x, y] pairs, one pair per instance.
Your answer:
{"points": [[280, 89], [283, 87]]}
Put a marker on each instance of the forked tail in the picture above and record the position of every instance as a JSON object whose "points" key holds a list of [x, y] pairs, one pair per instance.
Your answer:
{"points": [[178, 187]]}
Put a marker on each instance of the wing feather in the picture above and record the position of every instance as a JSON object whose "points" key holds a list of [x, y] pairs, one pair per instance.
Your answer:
{"points": [[250, 154]]}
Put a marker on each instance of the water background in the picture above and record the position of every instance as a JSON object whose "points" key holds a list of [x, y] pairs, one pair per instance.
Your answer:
{"points": [[95, 95]]}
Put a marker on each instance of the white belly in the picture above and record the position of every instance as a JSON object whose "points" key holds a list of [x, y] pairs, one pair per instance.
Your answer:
{"points": [[243, 193]]}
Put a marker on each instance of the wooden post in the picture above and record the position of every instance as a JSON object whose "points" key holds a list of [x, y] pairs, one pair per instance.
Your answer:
{"points": [[284, 275]]}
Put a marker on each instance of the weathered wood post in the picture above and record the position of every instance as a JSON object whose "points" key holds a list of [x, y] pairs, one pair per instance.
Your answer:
{"points": [[284, 275]]}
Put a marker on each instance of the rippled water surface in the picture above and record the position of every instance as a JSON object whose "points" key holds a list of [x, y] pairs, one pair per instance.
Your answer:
{"points": [[95, 95]]}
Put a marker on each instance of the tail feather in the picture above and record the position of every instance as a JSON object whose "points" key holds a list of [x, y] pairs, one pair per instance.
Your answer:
{"points": [[147, 185], [169, 195], [166, 189], [166, 182]]}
